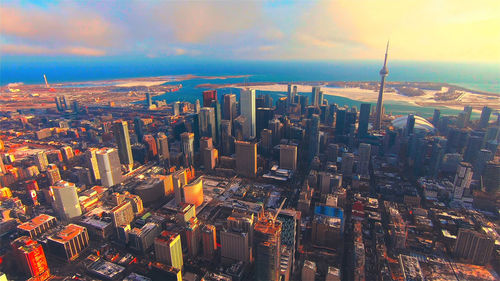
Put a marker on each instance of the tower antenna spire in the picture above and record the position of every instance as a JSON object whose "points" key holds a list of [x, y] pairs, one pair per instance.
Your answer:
{"points": [[383, 74], [386, 53]]}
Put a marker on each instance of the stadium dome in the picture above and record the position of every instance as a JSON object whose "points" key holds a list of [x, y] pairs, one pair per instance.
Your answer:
{"points": [[421, 124]]}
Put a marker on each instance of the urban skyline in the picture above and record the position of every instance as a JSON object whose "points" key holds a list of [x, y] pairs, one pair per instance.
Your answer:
{"points": [[231, 175]]}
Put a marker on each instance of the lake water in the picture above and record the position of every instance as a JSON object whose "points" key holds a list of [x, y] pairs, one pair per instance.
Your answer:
{"points": [[485, 77]]}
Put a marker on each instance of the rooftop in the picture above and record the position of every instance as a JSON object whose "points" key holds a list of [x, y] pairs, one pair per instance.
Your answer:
{"points": [[35, 222], [68, 233]]}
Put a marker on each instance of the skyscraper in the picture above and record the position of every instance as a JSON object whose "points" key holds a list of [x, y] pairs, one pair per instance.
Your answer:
{"points": [[364, 158], [473, 246], [247, 104], [239, 125], [364, 117], [139, 128], [410, 124], [150, 143], [313, 131], [340, 121], [120, 130], [227, 140], [267, 246], [168, 249], [162, 145], [53, 174], [347, 164], [315, 96], [485, 117], [435, 117], [218, 116], [187, 145], [91, 159], [207, 123], [246, 158], [291, 93], [491, 177], [208, 97], [108, 162], [468, 113], [66, 200], [236, 240], [474, 144], [383, 74], [149, 100], [41, 161], [263, 116], [209, 241], [31, 258], [230, 111], [197, 107], [462, 180], [288, 157]]}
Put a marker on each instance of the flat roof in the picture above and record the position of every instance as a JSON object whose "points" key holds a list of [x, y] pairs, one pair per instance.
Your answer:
{"points": [[35, 222], [68, 233]]}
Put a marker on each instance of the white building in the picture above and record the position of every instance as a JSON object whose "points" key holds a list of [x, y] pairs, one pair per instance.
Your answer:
{"points": [[66, 201], [109, 165], [247, 106]]}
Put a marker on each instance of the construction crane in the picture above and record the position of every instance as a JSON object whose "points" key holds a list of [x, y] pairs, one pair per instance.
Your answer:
{"points": [[278, 211], [47, 84]]}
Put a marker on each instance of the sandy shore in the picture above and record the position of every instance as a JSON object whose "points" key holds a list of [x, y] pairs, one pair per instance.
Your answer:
{"points": [[140, 83], [364, 95]]}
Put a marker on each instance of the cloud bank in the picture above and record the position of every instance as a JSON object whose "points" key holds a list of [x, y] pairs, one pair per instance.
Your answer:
{"points": [[452, 30]]}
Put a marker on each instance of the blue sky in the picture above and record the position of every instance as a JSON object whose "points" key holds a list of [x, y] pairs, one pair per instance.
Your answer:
{"points": [[425, 30]]}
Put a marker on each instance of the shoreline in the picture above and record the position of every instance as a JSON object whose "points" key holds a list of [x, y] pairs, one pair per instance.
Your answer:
{"points": [[390, 95]]}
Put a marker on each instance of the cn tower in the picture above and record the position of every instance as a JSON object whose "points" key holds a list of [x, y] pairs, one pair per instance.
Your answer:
{"points": [[383, 73]]}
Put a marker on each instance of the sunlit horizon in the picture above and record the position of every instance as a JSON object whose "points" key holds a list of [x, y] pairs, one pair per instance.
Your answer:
{"points": [[445, 31]]}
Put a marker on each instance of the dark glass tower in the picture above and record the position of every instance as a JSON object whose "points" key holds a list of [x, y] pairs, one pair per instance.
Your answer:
{"points": [[364, 116], [120, 130]]}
